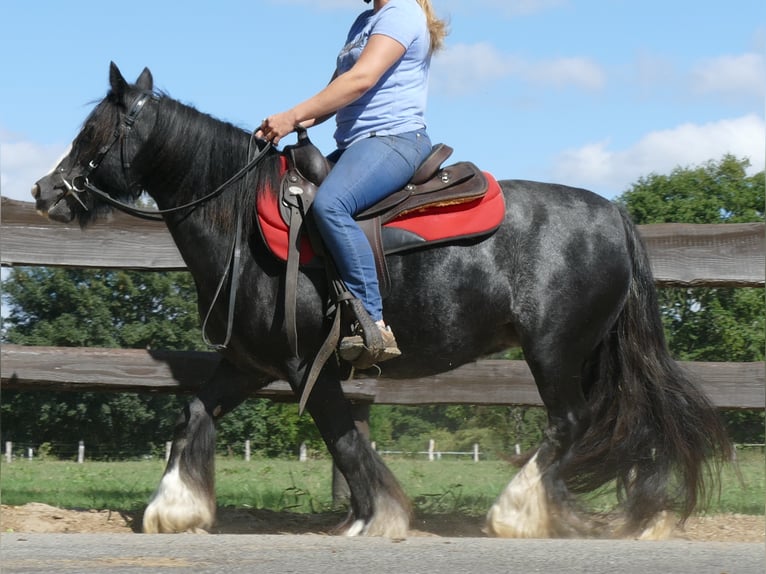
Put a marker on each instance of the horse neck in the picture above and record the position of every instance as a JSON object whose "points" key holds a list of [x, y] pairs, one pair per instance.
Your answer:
{"points": [[188, 155]]}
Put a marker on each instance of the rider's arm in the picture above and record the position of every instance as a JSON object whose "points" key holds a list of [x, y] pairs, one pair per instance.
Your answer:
{"points": [[380, 53]]}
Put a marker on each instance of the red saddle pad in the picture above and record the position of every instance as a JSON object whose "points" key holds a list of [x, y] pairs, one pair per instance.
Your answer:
{"points": [[425, 226]]}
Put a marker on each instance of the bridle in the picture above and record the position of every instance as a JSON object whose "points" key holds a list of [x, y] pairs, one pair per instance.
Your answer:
{"points": [[81, 183]]}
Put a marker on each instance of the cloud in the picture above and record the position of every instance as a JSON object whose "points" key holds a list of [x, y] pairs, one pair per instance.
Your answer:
{"points": [[509, 8], [469, 68], [564, 72], [22, 163], [611, 171], [323, 4], [739, 76]]}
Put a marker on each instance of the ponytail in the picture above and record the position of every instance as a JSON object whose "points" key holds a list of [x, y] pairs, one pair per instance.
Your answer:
{"points": [[437, 28]]}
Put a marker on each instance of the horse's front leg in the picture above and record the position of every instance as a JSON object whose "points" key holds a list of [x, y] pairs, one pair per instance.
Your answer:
{"points": [[185, 498], [378, 505]]}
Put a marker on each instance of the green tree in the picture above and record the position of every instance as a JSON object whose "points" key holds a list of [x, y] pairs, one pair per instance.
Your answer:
{"points": [[121, 309], [87, 308], [704, 324]]}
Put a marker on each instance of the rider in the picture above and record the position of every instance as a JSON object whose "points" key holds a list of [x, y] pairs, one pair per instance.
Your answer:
{"points": [[378, 96]]}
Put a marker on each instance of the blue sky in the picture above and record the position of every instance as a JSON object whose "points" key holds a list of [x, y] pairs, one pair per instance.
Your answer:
{"points": [[591, 93]]}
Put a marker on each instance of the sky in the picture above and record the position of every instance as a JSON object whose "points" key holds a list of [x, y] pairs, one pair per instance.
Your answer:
{"points": [[589, 93]]}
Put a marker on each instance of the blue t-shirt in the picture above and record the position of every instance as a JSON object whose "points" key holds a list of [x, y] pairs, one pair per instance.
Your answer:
{"points": [[396, 104]]}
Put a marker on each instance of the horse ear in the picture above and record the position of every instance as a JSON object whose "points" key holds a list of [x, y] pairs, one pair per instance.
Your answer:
{"points": [[116, 81], [145, 80]]}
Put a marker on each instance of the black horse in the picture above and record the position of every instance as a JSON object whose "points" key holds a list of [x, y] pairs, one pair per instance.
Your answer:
{"points": [[565, 277]]}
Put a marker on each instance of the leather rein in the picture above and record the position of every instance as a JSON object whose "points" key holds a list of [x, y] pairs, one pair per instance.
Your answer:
{"points": [[81, 183]]}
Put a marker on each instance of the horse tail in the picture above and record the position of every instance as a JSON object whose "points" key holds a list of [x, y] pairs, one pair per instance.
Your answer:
{"points": [[652, 428]]}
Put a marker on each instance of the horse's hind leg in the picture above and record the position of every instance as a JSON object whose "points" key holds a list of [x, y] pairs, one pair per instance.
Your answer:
{"points": [[535, 504], [185, 498], [379, 506]]}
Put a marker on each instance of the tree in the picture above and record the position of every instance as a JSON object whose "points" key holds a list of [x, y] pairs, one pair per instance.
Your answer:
{"points": [[86, 308], [704, 324]]}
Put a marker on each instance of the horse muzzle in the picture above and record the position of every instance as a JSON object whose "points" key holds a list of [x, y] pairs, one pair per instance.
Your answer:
{"points": [[53, 201]]}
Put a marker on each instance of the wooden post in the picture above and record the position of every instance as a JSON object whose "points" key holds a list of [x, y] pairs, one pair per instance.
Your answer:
{"points": [[431, 444], [303, 456], [81, 452], [247, 450], [30, 453], [8, 451], [340, 491], [476, 452]]}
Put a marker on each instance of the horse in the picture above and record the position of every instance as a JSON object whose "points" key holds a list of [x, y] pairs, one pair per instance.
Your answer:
{"points": [[565, 277]]}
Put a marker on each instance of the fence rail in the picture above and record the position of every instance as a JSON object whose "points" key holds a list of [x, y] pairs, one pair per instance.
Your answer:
{"points": [[723, 255]]}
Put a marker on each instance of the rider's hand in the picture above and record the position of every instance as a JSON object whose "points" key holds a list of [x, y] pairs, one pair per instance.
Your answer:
{"points": [[277, 126]]}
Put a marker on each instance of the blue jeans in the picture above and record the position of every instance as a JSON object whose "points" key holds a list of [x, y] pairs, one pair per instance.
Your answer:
{"points": [[364, 173]]}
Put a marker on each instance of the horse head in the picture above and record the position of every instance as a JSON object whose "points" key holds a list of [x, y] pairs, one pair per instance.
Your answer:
{"points": [[100, 155]]}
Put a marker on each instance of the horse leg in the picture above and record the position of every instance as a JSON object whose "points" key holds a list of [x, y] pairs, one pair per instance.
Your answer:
{"points": [[378, 505], [535, 503], [185, 498]]}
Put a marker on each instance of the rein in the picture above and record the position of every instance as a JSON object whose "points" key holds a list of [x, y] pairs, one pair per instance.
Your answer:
{"points": [[82, 183]]}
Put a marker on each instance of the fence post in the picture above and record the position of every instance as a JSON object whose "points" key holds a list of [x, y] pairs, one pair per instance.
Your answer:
{"points": [[431, 444], [30, 453], [8, 451], [81, 452], [476, 452], [303, 456], [247, 450]]}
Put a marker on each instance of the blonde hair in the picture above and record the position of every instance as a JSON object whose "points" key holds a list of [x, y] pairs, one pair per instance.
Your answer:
{"points": [[436, 27]]}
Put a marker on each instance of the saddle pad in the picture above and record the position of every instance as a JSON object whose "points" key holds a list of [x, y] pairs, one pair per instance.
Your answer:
{"points": [[431, 224]]}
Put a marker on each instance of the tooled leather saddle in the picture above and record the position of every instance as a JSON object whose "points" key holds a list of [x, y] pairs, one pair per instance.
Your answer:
{"points": [[438, 205]]}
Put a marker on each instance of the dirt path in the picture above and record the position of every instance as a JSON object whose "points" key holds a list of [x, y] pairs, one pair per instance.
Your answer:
{"points": [[35, 517]]}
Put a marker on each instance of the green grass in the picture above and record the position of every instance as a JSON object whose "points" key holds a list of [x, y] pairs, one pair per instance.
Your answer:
{"points": [[440, 486]]}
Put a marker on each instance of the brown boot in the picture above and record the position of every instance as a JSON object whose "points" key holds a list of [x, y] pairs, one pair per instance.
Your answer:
{"points": [[353, 349]]}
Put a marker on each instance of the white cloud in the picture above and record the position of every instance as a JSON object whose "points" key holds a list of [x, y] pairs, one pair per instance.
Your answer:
{"points": [[22, 163], [509, 8], [596, 165], [468, 68], [563, 72], [323, 4], [741, 76]]}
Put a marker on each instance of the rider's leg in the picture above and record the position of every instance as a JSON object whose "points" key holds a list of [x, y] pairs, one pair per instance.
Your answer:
{"points": [[366, 172]]}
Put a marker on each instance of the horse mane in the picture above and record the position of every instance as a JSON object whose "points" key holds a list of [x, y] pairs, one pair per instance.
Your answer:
{"points": [[183, 136]]}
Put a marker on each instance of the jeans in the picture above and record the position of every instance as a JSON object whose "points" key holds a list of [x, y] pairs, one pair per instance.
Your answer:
{"points": [[364, 173]]}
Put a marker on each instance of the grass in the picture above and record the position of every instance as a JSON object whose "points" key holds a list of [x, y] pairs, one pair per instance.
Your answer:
{"points": [[440, 486]]}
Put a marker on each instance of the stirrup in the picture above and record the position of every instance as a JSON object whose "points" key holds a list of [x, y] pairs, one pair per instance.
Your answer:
{"points": [[353, 350], [368, 344]]}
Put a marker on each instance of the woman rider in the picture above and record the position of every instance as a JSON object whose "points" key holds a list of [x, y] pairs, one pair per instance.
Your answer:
{"points": [[378, 97]]}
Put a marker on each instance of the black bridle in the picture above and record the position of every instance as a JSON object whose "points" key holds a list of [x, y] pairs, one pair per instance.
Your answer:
{"points": [[81, 183]]}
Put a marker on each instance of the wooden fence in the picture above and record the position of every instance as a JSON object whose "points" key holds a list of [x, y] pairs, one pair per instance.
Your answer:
{"points": [[729, 255]]}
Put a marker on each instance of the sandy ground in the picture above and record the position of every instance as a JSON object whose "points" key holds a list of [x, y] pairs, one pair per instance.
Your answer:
{"points": [[35, 517]]}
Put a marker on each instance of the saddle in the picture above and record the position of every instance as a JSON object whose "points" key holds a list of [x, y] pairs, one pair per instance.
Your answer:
{"points": [[439, 204]]}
